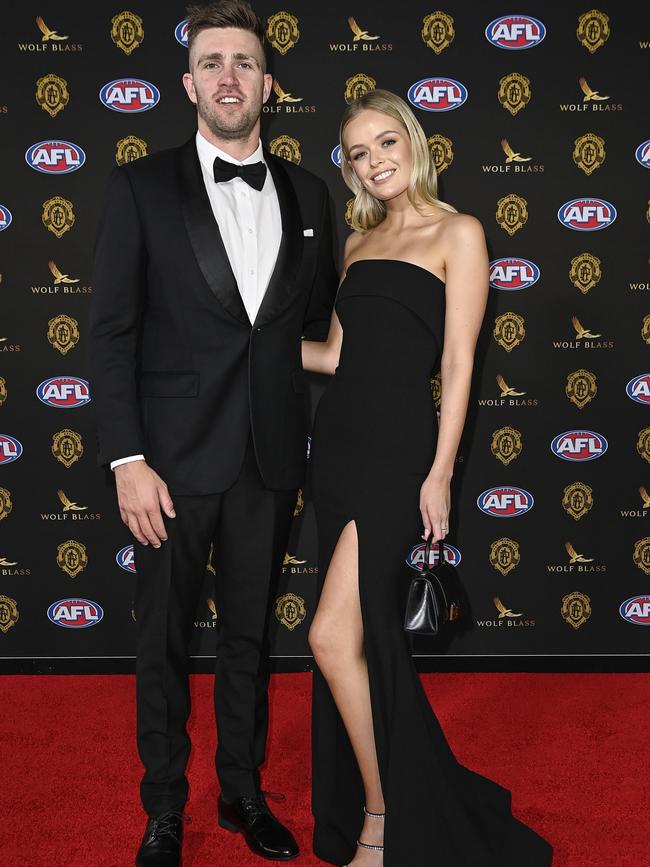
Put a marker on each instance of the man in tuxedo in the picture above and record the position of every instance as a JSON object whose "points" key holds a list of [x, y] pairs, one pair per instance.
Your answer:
{"points": [[212, 260]]}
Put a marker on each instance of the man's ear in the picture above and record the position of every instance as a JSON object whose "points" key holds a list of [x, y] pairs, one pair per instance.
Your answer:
{"points": [[188, 84], [268, 84]]}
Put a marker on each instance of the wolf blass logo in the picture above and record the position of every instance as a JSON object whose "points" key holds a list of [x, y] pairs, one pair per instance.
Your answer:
{"points": [[287, 103], [362, 40], [508, 396], [7, 569], [62, 282], [514, 162], [577, 562], [50, 40], [506, 618], [70, 511], [592, 100]]}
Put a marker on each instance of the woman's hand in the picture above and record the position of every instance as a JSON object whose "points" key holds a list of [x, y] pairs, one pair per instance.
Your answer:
{"points": [[435, 504]]}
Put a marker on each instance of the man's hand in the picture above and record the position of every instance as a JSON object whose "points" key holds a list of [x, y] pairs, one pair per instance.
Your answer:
{"points": [[141, 494]]}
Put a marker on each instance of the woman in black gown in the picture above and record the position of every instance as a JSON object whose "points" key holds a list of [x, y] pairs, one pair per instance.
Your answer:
{"points": [[387, 789]]}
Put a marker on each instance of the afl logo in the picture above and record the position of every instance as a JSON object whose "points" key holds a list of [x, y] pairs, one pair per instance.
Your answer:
{"points": [[437, 94], [415, 558], [639, 388], [515, 32], [579, 445], [75, 613], [10, 449], [181, 32], [55, 157], [513, 274], [636, 610], [64, 392], [336, 156], [125, 558], [642, 153], [587, 215], [504, 502], [5, 217], [129, 95]]}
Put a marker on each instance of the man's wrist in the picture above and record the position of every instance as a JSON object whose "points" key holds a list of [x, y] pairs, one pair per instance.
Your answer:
{"points": [[127, 460]]}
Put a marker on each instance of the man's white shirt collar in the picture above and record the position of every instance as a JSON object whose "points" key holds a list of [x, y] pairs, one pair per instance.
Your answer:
{"points": [[207, 152]]}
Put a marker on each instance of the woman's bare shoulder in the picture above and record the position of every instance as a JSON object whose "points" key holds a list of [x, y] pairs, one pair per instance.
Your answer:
{"points": [[351, 247], [461, 227]]}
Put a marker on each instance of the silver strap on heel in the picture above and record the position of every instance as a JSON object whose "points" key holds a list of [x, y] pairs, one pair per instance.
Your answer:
{"points": [[374, 815], [368, 846]]}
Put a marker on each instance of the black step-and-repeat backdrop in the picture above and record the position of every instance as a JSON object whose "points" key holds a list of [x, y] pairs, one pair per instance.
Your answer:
{"points": [[538, 125]]}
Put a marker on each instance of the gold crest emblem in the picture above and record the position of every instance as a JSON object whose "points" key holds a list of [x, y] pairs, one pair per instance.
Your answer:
{"points": [[504, 554], [641, 555], [581, 387], [63, 332], [3, 390], [348, 212], [52, 94], [509, 330], [438, 31], [290, 610], [645, 332], [5, 503], [643, 444], [58, 215], [436, 389], [127, 32], [357, 85], [8, 613], [512, 213], [130, 148], [300, 504], [71, 557], [506, 444], [67, 447], [593, 29], [286, 147], [577, 500], [282, 31], [589, 152], [576, 608], [514, 92], [442, 151], [585, 272]]}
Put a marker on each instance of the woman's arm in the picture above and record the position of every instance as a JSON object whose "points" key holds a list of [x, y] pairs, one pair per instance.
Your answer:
{"points": [[467, 283], [323, 356]]}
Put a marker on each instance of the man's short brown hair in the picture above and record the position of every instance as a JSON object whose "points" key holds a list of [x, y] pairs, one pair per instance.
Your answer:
{"points": [[225, 13]]}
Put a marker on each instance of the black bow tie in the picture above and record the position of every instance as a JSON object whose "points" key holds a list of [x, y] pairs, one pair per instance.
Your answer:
{"points": [[254, 173]]}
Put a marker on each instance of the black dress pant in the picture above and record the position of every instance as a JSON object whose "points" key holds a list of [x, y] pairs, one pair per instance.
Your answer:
{"points": [[249, 526]]}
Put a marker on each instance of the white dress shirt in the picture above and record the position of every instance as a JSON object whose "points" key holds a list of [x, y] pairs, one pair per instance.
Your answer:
{"points": [[251, 228]]}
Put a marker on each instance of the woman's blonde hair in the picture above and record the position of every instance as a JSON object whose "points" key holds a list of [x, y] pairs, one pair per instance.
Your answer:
{"points": [[368, 211]]}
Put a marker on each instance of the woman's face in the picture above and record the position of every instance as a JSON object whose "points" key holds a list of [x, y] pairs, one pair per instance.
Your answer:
{"points": [[380, 153]]}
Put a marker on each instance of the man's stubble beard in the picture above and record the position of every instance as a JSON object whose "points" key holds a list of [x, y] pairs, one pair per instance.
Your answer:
{"points": [[241, 127]]}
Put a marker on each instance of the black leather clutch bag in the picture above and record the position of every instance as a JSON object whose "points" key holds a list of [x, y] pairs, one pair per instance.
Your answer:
{"points": [[434, 597]]}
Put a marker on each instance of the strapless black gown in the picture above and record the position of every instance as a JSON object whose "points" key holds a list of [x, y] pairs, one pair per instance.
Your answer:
{"points": [[373, 444]]}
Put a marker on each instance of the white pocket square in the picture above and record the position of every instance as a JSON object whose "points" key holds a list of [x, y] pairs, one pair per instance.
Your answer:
{"points": [[308, 233]]}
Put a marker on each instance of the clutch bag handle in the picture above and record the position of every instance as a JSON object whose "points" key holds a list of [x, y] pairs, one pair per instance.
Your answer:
{"points": [[427, 553]]}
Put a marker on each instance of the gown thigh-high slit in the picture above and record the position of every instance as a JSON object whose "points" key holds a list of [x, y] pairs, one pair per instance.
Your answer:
{"points": [[373, 444]]}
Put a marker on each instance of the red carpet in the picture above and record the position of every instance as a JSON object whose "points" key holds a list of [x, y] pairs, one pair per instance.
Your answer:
{"points": [[572, 748]]}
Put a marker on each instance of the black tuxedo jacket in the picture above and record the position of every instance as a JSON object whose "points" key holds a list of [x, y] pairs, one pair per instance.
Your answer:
{"points": [[177, 371]]}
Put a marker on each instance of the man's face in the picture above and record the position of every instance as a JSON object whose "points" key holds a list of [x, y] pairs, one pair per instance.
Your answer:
{"points": [[227, 82]]}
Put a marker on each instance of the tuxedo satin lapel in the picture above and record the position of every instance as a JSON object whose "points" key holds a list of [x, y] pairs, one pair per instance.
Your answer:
{"points": [[204, 234], [282, 283]]}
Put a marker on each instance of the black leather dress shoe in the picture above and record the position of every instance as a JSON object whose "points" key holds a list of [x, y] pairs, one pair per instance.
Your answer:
{"points": [[162, 841], [265, 835]]}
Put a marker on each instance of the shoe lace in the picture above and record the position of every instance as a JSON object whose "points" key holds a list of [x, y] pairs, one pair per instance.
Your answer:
{"points": [[253, 807], [166, 824]]}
